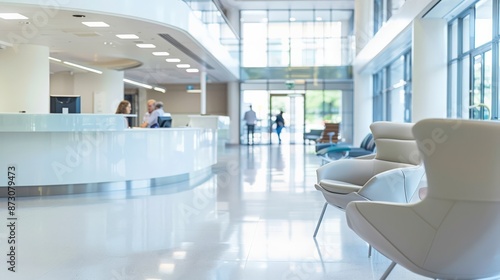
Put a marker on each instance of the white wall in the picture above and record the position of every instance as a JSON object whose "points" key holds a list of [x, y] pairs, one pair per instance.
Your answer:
{"points": [[429, 78], [24, 79], [363, 105], [100, 93], [62, 83], [177, 101], [363, 23]]}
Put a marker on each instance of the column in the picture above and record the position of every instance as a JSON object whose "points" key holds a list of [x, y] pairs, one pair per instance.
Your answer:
{"points": [[363, 100], [24, 79], [363, 105], [233, 110], [429, 78], [203, 94]]}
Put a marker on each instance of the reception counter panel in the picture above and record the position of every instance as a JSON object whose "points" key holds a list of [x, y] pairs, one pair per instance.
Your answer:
{"points": [[101, 155]]}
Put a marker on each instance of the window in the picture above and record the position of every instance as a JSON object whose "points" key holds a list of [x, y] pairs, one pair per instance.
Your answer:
{"points": [[472, 47], [392, 91], [304, 38]]}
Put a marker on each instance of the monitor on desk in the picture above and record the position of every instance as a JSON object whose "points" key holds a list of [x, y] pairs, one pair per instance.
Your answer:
{"points": [[65, 104], [164, 121]]}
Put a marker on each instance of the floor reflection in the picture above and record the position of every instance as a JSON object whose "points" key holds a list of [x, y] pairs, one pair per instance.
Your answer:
{"points": [[252, 218]]}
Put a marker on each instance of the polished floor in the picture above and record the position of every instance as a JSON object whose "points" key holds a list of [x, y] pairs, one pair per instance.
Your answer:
{"points": [[251, 219]]}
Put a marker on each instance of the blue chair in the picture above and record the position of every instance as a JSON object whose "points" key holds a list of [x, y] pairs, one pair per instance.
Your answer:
{"points": [[340, 150]]}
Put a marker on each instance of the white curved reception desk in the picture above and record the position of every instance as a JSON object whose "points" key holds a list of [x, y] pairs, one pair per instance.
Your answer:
{"points": [[85, 153]]}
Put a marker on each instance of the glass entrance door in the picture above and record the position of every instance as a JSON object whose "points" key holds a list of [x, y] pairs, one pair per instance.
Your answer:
{"points": [[292, 105], [480, 94]]}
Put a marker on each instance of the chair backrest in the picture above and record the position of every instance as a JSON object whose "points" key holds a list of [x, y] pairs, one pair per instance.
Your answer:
{"points": [[368, 143], [325, 136], [395, 143], [164, 121], [462, 162], [461, 158]]}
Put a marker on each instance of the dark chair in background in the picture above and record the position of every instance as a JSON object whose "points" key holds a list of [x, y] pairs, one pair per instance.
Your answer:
{"points": [[164, 121], [340, 150]]}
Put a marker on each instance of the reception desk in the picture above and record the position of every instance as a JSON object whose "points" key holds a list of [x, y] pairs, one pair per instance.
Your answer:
{"points": [[74, 153]]}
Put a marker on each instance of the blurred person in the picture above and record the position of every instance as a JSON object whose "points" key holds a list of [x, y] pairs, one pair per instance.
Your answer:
{"points": [[151, 107], [152, 121], [124, 108], [280, 123], [250, 118]]}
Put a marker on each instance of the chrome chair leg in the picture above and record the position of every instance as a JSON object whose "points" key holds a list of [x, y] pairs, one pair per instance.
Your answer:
{"points": [[320, 219], [388, 271]]}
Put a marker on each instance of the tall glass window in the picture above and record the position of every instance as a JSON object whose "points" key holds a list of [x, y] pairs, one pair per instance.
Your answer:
{"points": [[472, 47], [255, 33], [278, 45], [392, 91], [383, 10], [283, 38], [483, 23]]}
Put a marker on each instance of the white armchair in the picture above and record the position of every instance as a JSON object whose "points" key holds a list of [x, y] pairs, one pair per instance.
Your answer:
{"points": [[453, 233], [393, 174]]}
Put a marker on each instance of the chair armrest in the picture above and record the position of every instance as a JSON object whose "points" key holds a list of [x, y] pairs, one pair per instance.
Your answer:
{"points": [[354, 171], [395, 185], [333, 149], [370, 156]]}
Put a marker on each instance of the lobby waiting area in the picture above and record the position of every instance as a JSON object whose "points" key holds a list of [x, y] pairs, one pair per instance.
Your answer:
{"points": [[254, 215]]}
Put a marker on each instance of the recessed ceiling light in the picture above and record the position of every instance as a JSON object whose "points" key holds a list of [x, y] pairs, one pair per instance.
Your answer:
{"points": [[319, 18], [12, 16], [172, 60], [127, 36], [192, 70], [146, 46], [292, 19], [161, 53], [95, 24], [183, 65]]}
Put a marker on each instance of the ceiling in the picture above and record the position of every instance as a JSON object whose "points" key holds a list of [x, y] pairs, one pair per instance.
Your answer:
{"points": [[288, 4], [69, 40]]}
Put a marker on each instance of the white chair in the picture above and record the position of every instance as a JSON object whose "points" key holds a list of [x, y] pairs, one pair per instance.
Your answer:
{"points": [[392, 174], [453, 232]]}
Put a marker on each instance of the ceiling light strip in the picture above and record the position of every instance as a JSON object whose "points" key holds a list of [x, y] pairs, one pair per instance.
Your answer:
{"points": [[55, 59], [137, 84], [160, 89], [82, 67]]}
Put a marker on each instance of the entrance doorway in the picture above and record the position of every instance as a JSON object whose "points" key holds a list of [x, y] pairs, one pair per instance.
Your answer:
{"points": [[292, 105], [305, 108]]}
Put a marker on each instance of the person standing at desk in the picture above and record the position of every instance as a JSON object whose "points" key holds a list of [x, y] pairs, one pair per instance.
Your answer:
{"points": [[250, 118]]}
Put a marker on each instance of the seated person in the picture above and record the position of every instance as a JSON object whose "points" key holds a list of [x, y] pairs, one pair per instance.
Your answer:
{"points": [[124, 108], [152, 121]]}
